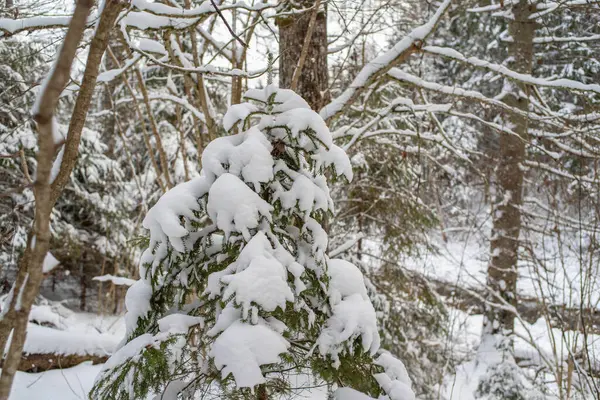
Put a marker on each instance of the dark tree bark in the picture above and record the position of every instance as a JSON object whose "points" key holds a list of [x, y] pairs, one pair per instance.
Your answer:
{"points": [[502, 270], [313, 80]]}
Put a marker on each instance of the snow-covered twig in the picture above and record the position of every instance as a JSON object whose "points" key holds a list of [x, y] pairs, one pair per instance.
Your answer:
{"points": [[468, 94], [13, 26], [345, 246], [383, 63], [566, 84]]}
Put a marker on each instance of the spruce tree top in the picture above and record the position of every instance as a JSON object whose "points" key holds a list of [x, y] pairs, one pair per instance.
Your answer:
{"points": [[237, 295]]}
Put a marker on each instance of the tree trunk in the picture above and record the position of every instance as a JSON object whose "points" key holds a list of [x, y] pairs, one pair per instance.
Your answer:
{"points": [[29, 276], [313, 80], [82, 290], [109, 126], [502, 270]]}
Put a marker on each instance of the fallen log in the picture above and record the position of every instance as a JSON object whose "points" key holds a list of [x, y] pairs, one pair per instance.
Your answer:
{"points": [[530, 309], [40, 362], [472, 299], [47, 347]]}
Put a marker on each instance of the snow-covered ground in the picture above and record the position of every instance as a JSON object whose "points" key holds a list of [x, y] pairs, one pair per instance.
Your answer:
{"points": [[82, 333], [533, 342], [58, 330], [74, 383], [66, 384], [561, 272], [459, 262]]}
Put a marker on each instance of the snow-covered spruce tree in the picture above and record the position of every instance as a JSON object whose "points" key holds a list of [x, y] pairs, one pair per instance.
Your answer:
{"points": [[237, 298]]}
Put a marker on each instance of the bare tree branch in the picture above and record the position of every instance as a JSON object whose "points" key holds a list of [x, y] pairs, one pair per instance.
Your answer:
{"points": [[379, 66], [227, 24]]}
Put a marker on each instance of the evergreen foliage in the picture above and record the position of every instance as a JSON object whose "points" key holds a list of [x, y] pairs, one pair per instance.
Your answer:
{"points": [[248, 298]]}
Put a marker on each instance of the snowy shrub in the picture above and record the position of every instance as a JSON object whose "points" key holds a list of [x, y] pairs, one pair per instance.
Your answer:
{"points": [[500, 378], [247, 300], [501, 381]]}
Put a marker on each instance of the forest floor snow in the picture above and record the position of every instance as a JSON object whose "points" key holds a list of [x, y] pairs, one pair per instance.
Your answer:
{"points": [[559, 271], [461, 262], [58, 384], [75, 383]]}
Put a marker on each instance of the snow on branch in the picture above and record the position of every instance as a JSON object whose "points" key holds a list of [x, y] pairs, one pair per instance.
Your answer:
{"points": [[566, 84], [116, 280], [205, 7], [545, 7], [569, 149], [468, 94], [151, 16], [383, 63], [563, 114], [564, 174], [145, 21], [565, 220], [12, 26], [554, 39], [170, 11], [220, 47], [550, 6], [109, 75], [492, 7], [344, 247], [541, 134], [205, 69], [397, 105], [156, 16], [164, 96]]}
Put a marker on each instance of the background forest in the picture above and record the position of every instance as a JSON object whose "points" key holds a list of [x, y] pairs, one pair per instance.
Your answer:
{"points": [[473, 132]]}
